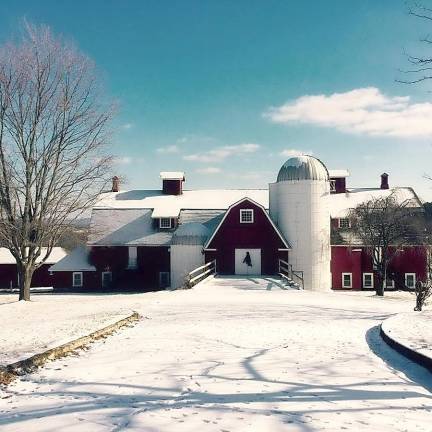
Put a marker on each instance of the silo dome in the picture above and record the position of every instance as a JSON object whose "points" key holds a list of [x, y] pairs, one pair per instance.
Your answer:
{"points": [[193, 233], [303, 168]]}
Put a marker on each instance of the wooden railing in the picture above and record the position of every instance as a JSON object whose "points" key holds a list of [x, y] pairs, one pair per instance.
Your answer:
{"points": [[200, 273], [286, 271]]}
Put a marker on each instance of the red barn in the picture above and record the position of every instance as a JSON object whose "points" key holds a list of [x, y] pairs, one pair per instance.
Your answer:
{"points": [[135, 241]]}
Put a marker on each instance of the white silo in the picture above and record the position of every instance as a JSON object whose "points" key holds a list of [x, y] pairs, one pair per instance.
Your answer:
{"points": [[299, 205], [187, 251]]}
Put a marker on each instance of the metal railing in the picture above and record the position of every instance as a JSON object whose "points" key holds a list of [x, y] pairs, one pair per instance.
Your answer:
{"points": [[287, 272], [200, 273]]}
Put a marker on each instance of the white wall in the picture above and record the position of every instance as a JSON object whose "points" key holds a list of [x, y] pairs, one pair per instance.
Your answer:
{"points": [[184, 258], [302, 214]]}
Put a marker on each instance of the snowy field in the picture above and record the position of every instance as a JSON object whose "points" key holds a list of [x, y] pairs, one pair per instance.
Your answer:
{"points": [[231, 355]]}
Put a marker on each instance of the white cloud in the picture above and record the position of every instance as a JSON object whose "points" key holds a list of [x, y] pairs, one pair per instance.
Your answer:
{"points": [[208, 170], [168, 149], [362, 111], [123, 160], [294, 152], [220, 153], [127, 126]]}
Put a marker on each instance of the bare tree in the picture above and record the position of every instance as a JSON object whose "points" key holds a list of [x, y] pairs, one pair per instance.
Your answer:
{"points": [[385, 225], [420, 65], [53, 131]]}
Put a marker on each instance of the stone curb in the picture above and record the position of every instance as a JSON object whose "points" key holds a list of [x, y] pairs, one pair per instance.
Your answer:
{"points": [[415, 356], [11, 371]]}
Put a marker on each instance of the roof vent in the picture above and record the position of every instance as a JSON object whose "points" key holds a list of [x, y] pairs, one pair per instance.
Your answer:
{"points": [[172, 182], [115, 184]]}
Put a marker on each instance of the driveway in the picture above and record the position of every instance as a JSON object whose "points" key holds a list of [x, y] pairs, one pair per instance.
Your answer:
{"points": [[233, 355]]}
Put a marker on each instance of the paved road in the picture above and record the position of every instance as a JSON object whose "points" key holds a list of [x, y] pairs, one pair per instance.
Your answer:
{"points": [[233, 355]]}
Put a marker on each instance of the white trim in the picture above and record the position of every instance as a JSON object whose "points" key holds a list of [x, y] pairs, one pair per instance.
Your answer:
{"points": [[102, 277], [283, 250], [164, 219], [372, 276], [132, 258], [345, 218], [73, 279], [210, 250], [247, 211], [237, 203], [332, 185], [343, 277], [415, 279], [391, 285]]}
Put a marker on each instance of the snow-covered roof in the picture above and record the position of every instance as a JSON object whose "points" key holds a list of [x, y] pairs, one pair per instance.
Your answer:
{"points": [[127, 227], [342, 203], [56, 255], [338, 173], [77, 260], [172, 175], [192, 233], [171, 205]]}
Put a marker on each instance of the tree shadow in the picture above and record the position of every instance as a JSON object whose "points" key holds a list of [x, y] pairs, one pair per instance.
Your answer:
{"points": [[397, 362]]}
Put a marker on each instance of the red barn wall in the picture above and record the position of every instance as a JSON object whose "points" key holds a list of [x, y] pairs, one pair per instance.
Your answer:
{"points": [[41, 277], [235, 235], [345, 259]]}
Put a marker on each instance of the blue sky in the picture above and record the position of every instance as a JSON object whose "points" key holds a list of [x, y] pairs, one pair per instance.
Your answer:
{"points": [[213, 87]]}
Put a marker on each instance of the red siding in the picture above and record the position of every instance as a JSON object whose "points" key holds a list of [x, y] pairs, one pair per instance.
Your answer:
{"points": [[150, 262], [41, 277], [172, 187], [345, 259], [232, 235]]}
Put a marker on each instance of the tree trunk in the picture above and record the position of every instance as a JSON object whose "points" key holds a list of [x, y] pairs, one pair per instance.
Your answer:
{"points": [[381, 286], [25, 275]]}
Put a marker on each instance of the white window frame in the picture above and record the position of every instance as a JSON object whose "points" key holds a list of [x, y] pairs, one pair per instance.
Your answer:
{"points": [[406, 278], [390, 283], [244, 212], [102, 277], [162, 226], [372, 280], [81, 279], [132, 257], [160, 279], [343, 280], [332, 185], [344, 219]]}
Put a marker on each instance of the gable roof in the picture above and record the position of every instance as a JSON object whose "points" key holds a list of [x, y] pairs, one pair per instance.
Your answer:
{"points": [[258, 205]]}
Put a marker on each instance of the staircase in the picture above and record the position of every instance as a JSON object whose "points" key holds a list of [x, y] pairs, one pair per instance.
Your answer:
{"points": [[292, 278]]}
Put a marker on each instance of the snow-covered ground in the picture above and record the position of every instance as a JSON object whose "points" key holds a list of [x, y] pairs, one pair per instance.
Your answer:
{"points": [[47, 321], [232, 355], [413, 330]]}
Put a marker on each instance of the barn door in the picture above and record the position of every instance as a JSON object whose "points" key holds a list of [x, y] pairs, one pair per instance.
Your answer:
{"points": [[248, 261]]}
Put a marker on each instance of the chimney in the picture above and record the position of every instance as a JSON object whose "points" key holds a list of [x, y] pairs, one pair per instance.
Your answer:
{"points": [[384, 181], [115, 184]]}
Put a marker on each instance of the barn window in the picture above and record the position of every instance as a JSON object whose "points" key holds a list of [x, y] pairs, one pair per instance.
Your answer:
{"points": [[368, 280], [346, 280], [344, 223], [390, 283], [132, 257], [165, 223], [77, 279], [246, 216], [332, 185], [410, 280], [164, 279], [106, 279]]}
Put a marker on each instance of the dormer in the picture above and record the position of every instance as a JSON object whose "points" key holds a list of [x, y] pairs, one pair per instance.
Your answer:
{"points": [[338, 180], [172, 182]]}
